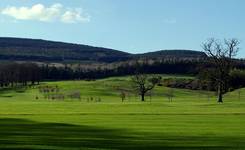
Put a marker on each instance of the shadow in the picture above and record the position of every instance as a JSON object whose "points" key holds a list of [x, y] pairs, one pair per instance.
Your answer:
{"points": [[25, 134], [20, 90], [7, 96], [5, 91]]}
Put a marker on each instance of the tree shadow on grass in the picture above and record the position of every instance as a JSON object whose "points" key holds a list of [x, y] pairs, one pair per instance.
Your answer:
{"points": [[26, 134], [8, 92]]}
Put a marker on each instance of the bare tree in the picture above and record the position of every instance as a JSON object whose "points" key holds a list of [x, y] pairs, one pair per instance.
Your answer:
{"points": [[220, 55], [239, 93], [170, 94], [144, 83], [122, 95]]}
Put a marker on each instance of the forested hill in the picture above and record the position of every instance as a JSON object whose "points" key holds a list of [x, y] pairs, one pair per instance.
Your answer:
{"points": [[181, 54], [19, 49], [42, 50]]}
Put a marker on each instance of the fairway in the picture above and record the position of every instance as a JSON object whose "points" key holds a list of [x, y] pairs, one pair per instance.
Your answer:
{"points": [[191, 121]]}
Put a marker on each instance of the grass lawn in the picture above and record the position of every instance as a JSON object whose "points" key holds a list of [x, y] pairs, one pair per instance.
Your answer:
{"points": [[191, 121]]}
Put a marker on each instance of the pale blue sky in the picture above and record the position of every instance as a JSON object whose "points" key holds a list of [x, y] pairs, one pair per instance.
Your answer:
{"points": [[134, 26]]}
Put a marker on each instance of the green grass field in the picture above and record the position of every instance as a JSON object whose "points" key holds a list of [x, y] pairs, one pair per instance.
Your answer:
{"points": [[191, 121]]}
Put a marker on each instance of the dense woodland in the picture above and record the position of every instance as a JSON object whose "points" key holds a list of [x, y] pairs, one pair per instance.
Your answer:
{"points": [[12, 74], [127, 68]]}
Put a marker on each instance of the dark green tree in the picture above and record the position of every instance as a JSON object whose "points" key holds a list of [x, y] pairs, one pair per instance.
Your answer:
{"points": [[143, 83]]}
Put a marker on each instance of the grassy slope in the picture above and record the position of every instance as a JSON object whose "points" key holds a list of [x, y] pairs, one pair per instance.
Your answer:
{"points": [[190, 122]]}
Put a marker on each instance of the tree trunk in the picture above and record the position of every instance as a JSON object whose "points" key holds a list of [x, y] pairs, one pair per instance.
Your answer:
{"points": [[142, 97], [220, 98], [220, 94]]}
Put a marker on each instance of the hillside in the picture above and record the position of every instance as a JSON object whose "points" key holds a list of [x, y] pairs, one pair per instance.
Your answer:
{"points": [[181, 54], [42, 50], [100, 120], [19, 49]]}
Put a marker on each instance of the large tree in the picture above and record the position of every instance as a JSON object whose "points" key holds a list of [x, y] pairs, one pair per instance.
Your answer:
{"points": [[221, 57], [144, 83]]}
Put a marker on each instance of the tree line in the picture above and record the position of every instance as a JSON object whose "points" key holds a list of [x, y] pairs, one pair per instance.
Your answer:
{"points": [[172, 66], [14, 74], [23, 73]]}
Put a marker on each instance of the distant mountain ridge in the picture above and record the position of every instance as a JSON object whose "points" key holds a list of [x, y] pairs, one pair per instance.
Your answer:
{"points": [[21, 49], [174, 53]]}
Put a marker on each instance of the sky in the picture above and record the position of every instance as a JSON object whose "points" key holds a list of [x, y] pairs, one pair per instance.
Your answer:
{"points": [[134, 26]]}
